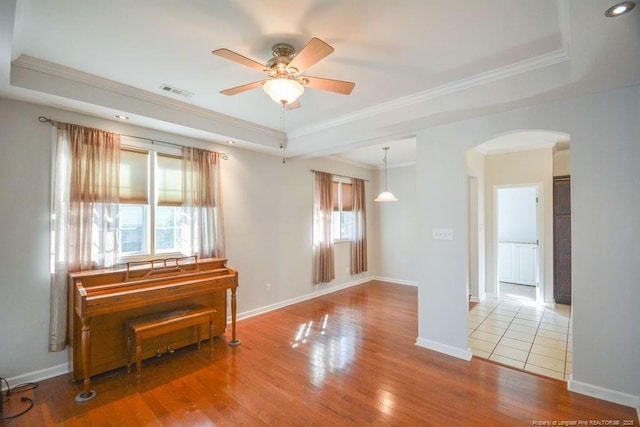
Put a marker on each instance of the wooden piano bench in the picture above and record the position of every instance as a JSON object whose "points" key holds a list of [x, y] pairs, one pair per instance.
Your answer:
{"points": [[141, 328]]}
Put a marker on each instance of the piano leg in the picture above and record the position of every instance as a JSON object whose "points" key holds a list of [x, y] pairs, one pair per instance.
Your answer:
{"points": [[85, 345], [211, 336], [234, 341]]}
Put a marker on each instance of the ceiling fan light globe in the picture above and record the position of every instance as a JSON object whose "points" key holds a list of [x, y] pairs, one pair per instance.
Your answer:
{"points": [[386, 196], [283, 91]]}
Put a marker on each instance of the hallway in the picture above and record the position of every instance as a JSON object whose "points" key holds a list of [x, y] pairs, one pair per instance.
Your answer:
{"points": [[513, 331]]}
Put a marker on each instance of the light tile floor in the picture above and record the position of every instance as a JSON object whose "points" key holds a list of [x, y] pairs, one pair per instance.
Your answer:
{"points": [[513, 331]]}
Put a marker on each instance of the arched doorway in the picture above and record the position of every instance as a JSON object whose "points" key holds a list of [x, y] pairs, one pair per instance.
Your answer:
{"points": [[505, 330]]}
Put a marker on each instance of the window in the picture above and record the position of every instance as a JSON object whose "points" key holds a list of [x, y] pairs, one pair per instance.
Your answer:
{"points": [[151, 218], [342, 217], [169, 218]]}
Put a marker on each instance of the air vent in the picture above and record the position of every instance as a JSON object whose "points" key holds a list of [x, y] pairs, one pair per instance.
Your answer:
{"points": [[176, 91]]}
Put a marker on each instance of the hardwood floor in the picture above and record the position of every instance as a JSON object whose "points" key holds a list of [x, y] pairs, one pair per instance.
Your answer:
{"points": [[348, 358]]}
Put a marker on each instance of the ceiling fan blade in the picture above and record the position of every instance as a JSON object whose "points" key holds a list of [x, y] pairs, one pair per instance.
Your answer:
{"points": [[337, 86], [236, 57], [313, 52], [239, 89], [293, 105]]}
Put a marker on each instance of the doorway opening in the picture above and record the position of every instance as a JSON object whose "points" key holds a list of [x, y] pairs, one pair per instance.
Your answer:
{"points": [[534, 334], [518, 224]]}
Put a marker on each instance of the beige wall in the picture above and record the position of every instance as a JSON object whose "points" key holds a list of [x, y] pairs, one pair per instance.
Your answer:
{"points": [[533, 167], [562, 163]]}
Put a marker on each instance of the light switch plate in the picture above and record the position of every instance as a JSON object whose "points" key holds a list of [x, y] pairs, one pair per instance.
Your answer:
{"points": [[442, 234]]}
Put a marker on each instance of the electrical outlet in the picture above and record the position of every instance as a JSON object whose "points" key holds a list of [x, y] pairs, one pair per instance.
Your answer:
{"points": [[267, 287]]}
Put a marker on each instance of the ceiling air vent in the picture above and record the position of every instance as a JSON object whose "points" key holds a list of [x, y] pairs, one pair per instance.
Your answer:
{"points": [[176, 91]]}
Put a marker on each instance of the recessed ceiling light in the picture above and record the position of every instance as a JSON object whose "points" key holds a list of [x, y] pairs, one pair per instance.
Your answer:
{"points": [[231, 142], [619, 9], [121, 117]]}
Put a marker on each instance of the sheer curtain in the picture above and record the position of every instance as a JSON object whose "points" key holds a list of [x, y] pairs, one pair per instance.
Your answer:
{"points": [[359, 232], [84, 220], [202, 203], [324, 269]]}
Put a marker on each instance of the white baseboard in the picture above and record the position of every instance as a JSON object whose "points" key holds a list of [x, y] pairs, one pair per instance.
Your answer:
{"points": [[446, 349], [478, 298], [291, 301], [395, 281], [603, 393], [42, 374]]}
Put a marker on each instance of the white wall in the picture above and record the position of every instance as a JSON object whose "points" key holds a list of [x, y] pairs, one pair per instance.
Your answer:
{"points": [[534, 167], [605, 131], [397, 221], [25, 166], [442, 264], [267, 220]]}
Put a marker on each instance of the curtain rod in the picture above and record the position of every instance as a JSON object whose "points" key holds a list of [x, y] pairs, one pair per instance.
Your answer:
{"points": [[341, 176], [224, 156]]}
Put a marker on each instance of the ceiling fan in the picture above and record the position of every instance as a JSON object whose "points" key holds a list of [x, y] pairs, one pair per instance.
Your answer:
{"points": [[285, 83]]}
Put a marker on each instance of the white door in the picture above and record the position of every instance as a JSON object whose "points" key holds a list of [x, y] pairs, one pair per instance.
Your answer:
{"points": [[518, 225], [526, 260]]}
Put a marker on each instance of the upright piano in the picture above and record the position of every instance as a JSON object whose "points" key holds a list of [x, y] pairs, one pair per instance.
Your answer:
{"points": [[101, 301]]}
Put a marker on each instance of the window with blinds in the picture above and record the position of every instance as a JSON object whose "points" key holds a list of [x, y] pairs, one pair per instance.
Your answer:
{"points": [[169, 180], [168, 196], [342, 200], [150, 212], [134, 176]]}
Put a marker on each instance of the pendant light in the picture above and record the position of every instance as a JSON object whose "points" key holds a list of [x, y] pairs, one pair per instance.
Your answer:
{"points": [[385, 196]]}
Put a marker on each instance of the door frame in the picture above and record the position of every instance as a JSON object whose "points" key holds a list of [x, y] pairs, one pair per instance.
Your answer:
{"points": [[538, 261], [474, 290]]}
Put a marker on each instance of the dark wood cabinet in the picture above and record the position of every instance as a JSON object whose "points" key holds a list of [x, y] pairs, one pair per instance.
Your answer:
{"points": [[562, 239]]}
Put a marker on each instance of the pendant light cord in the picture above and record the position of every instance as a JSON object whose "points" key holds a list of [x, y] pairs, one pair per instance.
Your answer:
{"points": [[385, 167]]}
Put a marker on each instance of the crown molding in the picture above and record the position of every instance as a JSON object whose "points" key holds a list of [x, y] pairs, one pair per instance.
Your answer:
{"points": [[555, 57], [518, 149], [558, 56], [397, 165], [349, 162], [67, 73], [527, 65]]}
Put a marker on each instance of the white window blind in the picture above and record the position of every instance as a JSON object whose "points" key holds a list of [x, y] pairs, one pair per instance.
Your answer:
{"points": [[134, 177], [169, 180]]}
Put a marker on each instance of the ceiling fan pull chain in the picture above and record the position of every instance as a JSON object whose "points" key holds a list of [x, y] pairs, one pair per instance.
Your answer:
{"points": [[284, 137]]}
